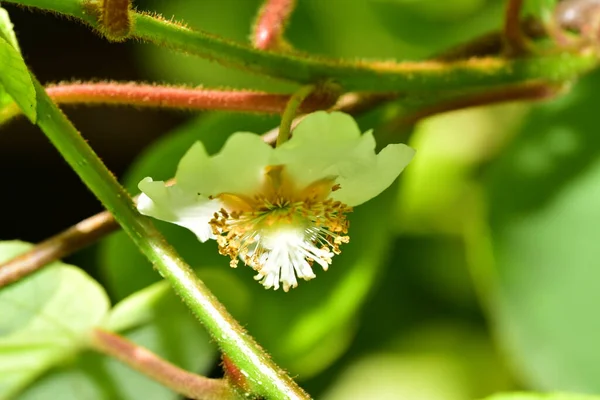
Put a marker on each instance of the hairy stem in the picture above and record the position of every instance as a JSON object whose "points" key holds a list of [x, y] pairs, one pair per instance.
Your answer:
{"points": [[116, 19], [265, 377], [140, 359], [67, 242], [377, 76], [270, 24], [291, 110], [182, 98]]}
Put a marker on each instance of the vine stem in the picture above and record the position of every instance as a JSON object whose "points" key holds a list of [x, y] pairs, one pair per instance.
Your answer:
{"points": [[290, 112], [67, 242], [270, 24], [183, 382], [265, 377], [169, 97], [375, 76], [514, 40]]}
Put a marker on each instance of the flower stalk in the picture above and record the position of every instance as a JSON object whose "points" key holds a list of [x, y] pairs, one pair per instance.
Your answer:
{"points": [[290, 112]]}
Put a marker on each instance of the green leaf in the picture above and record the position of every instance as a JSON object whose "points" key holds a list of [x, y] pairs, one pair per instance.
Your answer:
{"points": [[153, 318], [6, 29], [540, 396], [306, 329], [46, 319], [542, 269], [14, 78]]}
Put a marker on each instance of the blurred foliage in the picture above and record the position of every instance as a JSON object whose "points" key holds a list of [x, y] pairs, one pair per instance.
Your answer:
{"points": [[543, 210]]}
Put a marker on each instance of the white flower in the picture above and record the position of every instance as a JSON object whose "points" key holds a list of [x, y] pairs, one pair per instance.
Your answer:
{"points": [[279, 210]]}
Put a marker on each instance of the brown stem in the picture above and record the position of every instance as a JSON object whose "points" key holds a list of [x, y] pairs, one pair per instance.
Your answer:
{"points": [[67, 242], [270, 24], [531, 91], [514, 40], [115, 20], [181, 381]]}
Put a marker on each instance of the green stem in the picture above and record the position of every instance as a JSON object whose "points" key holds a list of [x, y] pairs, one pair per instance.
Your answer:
{"points": [[291, 109], [383, 76], [265, 377]]}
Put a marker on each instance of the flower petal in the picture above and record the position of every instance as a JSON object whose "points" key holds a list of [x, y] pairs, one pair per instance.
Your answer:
{"points": [[319, 143], [368, 180], [238, 168], [172, 204]]}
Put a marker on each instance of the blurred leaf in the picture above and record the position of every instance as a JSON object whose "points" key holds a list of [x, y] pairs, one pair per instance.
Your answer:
{"points": [[446, 360], [540, 396], [153, 318], [432, 26], [14, 79], [304, 330], [542, 276], [541, 9], [451, 147], [45, 319]]}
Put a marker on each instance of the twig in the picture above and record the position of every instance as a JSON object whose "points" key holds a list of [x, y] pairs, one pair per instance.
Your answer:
{"points": [[67, 242], [270, 24], [532, 91], [514, 40], [140, 359]]}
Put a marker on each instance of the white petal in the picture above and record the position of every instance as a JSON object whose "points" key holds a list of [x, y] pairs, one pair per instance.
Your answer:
{"points": [[172, 204], [320, 142], [330, 145], [238, 168], [364, 184]]}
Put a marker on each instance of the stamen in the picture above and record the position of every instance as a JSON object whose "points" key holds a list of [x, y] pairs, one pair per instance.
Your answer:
{"points": [[280, 236]]}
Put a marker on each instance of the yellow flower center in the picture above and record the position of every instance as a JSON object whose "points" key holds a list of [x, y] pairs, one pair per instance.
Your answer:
{"points": [[281, 231]]}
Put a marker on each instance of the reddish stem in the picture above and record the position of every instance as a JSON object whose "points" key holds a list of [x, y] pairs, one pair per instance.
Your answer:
{"points": [[514, 39], [181, 381], [270, 24], [144, 95]]}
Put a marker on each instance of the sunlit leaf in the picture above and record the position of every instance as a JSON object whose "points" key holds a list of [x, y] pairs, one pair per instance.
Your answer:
{"points": [[46, 319], [14, 79]]}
